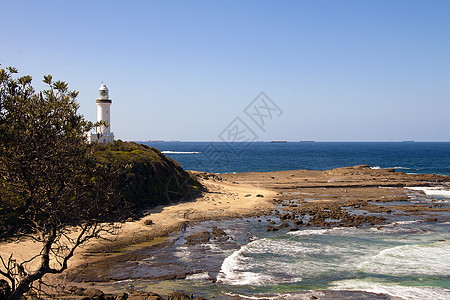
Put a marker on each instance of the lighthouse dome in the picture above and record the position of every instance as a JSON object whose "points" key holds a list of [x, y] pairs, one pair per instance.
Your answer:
{"points": [[103, 92]]}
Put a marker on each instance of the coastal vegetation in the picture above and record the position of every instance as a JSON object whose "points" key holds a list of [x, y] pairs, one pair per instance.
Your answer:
{"points": [[59, 191], [152, 178]]}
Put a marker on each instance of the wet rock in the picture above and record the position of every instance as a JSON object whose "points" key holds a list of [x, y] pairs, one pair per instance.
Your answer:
{"points": [[167, 277], [298, 222], [270, 228], [179, 296], [284, 225], [285, 216], [144, 296], [431, 220], [181, 276], [219, 234], [198, 238], [248, 195]]}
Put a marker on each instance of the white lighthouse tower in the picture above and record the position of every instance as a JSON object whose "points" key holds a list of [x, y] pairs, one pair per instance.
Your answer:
{"points": [[103, 134]]}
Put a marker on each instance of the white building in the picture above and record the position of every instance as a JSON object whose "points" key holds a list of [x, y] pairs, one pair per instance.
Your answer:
{"points": [[102, 134]]}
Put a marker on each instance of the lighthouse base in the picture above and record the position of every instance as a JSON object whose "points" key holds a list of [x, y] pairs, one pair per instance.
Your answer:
{"points": [[104, 138]]}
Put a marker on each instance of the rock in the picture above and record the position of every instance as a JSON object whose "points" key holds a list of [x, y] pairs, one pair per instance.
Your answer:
{"points": [[285, 224], [285, 216], [270, 228], [259, 195], [362, 167], [5, 289], [298, 222], [198, 238], [248, 195], [179, 296], [219, 234], [167, 276], [181, 276], [77, 291], [148, 222], [154, 296], [93, 293], [431, 220], [123, 296], [144, 296]]}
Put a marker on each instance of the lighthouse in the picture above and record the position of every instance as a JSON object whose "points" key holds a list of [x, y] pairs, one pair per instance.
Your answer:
{"points": [[103, 134]]}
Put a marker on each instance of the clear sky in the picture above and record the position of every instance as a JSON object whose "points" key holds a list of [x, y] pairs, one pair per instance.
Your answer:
{"points": [[184, 70]]}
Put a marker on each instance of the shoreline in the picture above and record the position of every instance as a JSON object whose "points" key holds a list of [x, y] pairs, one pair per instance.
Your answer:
{"points": [[235, 195], [222, 200], [285, 196]]}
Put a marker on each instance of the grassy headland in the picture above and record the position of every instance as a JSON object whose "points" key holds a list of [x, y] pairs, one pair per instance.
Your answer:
{"points": [[153, 178]]}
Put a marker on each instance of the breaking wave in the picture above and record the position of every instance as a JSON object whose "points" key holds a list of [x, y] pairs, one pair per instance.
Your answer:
{"points": [[180, 152], [411, 260], [402, 292], [432, 191]]}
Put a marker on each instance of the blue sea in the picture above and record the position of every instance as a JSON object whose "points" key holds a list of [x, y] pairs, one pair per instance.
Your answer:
{"points": [[220, 157], [407, 258]]}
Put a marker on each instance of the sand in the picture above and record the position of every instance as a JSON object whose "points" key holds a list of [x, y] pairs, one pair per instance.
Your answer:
{"points": [[222, 199]]}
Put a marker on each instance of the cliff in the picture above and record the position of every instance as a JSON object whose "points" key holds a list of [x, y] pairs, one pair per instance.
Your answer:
{"points": [[152, 178]]}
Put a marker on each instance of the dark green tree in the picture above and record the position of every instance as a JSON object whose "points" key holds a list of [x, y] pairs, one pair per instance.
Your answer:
{"points": [[52, 189]]}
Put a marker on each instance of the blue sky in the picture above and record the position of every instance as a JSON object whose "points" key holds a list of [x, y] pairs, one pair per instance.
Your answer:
{"points": [[184, 70]]}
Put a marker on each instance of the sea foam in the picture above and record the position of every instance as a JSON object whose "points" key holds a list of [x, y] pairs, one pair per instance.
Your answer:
{"points": [[417, 260], [432, 191], [247, 265], [402, 292]]}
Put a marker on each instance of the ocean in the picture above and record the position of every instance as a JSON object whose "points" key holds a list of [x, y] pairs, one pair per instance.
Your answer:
{"points": [[407, 258], [220, 157]]}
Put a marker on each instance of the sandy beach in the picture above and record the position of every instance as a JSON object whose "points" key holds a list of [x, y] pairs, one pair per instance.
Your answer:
{"points": [[222, 199]]}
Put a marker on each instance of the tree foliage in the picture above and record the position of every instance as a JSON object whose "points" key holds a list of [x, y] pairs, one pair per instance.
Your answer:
{"points": [[52, 189]]}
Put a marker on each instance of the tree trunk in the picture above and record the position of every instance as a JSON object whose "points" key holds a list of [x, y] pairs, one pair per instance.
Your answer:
{"points": [[22, 288]]}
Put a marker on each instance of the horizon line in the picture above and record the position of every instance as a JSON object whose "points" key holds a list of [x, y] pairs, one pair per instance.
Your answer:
{"points": [[290, 141]]}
